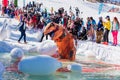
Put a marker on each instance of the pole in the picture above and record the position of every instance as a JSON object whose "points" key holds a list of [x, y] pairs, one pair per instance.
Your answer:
{"points": [[23, 3], [16, 3]]}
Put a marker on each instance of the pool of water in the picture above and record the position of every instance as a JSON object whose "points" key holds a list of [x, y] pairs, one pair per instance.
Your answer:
{"points": [[112, 74], [63, 76]]}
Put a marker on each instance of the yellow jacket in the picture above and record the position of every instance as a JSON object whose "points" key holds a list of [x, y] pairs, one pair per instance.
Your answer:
{"points": [[107, 25]]}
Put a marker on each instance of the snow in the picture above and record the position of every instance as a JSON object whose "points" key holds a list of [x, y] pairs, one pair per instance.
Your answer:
{"points": [[47, 47], [102, 52], [5, 47], [109, 54]]}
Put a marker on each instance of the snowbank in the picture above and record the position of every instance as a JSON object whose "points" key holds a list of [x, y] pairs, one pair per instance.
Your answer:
{"points": [[109, 54], [47, 47], [5, 47]]}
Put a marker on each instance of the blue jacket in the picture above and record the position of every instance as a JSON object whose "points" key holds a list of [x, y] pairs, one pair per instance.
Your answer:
{"points": [[94, 24], [88, 25], [22, 26], [100, 26]]}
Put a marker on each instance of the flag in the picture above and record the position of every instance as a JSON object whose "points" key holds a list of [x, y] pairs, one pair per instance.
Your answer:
{"points": [[100, 8], [16, 3], [24, 3], [5, 3]]}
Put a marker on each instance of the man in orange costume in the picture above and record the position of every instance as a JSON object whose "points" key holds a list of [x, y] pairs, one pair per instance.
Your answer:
{"points": [[63, 39]]}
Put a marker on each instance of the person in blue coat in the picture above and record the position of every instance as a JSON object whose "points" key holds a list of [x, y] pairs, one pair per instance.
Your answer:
{"points": [[99, 31], [22, 29]]}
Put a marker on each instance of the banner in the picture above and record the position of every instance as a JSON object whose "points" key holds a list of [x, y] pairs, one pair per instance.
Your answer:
{"points": [[16, 3], [100, 8], [5, 3], [24, 3]]}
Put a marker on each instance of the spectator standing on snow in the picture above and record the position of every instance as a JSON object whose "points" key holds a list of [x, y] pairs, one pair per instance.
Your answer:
{"points": [[52, 10], [43, 24], [45, 13], [77, 27], [77, 11], [0, 7], [93, 22], [90, 30], [107, 26], [99, 32], [115, 28], [70, 9], [3, 11], [93, 25], [83, 34]]}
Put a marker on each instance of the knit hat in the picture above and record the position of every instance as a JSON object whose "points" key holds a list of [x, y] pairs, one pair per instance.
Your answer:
{"points": [[107, 17]]}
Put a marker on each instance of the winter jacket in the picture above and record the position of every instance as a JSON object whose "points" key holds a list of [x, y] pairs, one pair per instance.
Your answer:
{"points": [[34, 18], [107, 25], [93, 24], [40, 25], [100, 26], [22, 26], [88, 25], [73, 17], [115, 27]]}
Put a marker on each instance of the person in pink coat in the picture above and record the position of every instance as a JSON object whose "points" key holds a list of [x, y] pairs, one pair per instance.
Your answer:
{"points": [[115, 27]]}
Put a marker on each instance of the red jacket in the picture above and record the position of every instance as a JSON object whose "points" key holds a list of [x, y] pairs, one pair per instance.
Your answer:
{"points": [[34, 19]]}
